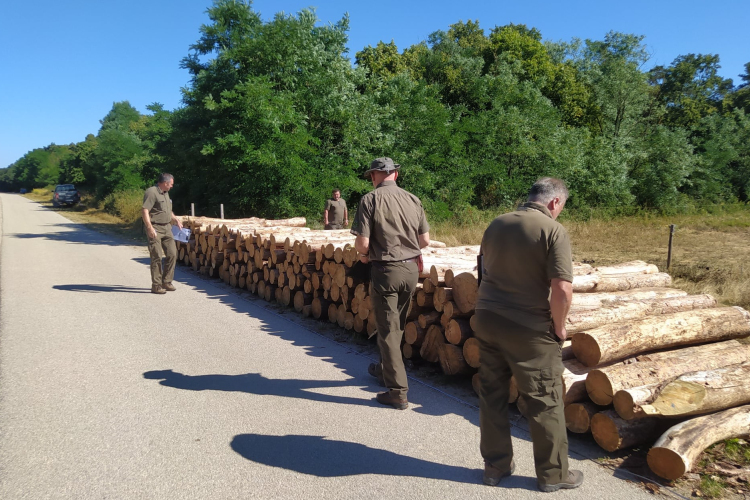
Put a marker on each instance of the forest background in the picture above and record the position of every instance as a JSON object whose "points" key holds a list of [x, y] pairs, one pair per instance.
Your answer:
{"points": [[275, 115]]}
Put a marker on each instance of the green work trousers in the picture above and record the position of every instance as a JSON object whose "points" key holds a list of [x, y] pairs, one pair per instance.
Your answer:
{"points": [[162, 246], [391, 288], [535, 360]]}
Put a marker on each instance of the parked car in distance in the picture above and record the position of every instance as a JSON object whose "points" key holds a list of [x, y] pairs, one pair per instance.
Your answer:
{"points": [[65, 194], [23, 191]]}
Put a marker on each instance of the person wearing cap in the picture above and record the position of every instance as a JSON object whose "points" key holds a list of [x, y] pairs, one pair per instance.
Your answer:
{"points": [[335, 215], [391, 229], [158, 219], [522, 305]]}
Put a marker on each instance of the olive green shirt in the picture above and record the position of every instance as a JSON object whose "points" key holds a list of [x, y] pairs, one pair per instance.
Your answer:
{"points": [[393, 219], [158, 204], [336, 210], [522, 252]]}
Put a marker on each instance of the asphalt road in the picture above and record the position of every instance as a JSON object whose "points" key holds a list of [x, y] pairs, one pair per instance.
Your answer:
{"points": [[109, 391]]}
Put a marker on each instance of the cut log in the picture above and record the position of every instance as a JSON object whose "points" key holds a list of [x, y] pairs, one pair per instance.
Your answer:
{"points": [[574, 381], [414, 334], [578, 416], [633, 267], [430, 318], [452, 360], [471, 352], [409, 351], [301, 299], [675, 452], [614, 433], [620, 340], [603, 382], [333, 312], [701, 392], [320, 308], [465, 291], [457, 331], [434, 338], [626, 311], [424, 299]]}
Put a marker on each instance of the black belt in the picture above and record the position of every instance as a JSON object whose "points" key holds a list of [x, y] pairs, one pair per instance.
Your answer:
{"points": [[160, 223], [411, 259]]}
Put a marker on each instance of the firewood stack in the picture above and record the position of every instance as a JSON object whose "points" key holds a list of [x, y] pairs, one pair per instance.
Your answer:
{"points": [[643, 356]]}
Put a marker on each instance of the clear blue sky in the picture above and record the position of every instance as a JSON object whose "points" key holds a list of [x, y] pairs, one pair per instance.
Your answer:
{"points": [[63, 63]]}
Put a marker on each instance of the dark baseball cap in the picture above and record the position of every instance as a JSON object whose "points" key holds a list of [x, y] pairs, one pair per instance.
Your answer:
{"points": [[384, 164]]}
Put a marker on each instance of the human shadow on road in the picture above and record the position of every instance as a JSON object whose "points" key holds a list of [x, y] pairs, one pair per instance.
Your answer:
{"points": [[255, 383], [101, 288], [317, 456], [76, 234]]}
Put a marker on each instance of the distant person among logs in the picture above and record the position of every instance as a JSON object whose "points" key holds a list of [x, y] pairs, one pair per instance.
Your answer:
{"points": [[335, 215], [524, 299], [391, 229], [158, 219]]}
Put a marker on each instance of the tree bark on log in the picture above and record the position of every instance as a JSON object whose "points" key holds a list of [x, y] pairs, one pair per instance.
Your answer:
{"points": [[675, 452], [574, 381], [626, 311], [614, 433], [701, 392], [427, 319], [620, 340], [603, 382]]}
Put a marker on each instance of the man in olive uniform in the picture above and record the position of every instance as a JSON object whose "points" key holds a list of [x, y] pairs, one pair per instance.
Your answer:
{"points": [[391, 229], [158, 218], [335, 215], [523, 302]]}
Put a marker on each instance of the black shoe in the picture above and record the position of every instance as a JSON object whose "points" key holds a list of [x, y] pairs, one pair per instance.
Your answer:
{"points": [[575, 479], [493, 475], [385, 398]]}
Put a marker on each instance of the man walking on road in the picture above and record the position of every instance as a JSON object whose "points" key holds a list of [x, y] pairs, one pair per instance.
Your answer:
{"points": [[335, 215], [523, 302], [391, 229], [157, 218]]}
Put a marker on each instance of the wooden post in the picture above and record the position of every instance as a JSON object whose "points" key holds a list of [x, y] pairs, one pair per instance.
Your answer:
{"points": [[192, 209], [669, 251], [221, 207]]}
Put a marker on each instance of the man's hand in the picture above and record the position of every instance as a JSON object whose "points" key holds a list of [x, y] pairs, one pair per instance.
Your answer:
{"points": [[346, 222], [151, 232], [561, 333], [364, 259]]}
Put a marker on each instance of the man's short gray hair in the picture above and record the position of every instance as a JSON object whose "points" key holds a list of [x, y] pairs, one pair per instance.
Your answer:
{"points": [[165, 177], [546, 189]]}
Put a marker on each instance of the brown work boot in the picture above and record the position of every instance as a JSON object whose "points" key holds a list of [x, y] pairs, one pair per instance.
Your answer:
{"points": [[388, 399], [376, 371], [168, 287], [158, 289], [575, 479], [493, 475]]}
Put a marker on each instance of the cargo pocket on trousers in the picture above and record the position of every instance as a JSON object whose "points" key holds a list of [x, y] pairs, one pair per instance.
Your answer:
{"points": [[547, 386]]}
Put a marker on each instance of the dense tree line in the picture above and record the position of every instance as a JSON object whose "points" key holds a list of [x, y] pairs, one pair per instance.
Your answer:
{"points": [[275, 114]]}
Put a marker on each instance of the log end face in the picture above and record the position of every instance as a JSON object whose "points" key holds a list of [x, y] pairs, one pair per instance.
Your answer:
{"points": [[599, 387], [577, 418], [586, 349], [605, 432], [624, 405], [666, 463]]}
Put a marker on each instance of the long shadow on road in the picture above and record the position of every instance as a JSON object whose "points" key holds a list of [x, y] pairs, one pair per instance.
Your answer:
{"points": [[317, 456], [101, 288]]}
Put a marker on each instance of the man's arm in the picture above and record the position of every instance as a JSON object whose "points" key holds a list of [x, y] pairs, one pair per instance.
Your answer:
{"points": [[362, 245], [346, 216], [325, 216], [176, 221], [562, 295], [150, 231], [424, 240]]}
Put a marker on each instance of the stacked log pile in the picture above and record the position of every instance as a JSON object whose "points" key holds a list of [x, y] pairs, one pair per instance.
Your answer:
{"points": [[643, 355]]}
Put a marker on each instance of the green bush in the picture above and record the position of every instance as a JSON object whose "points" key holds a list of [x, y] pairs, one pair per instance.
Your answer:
{"points": [[124, 204]]}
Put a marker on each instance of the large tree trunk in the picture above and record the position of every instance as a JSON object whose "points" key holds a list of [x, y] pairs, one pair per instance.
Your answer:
{"points": [[603, 382], [626, 311], [596, 300], [620, 340], [675, 452], [614, 433], [701, 392]]}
